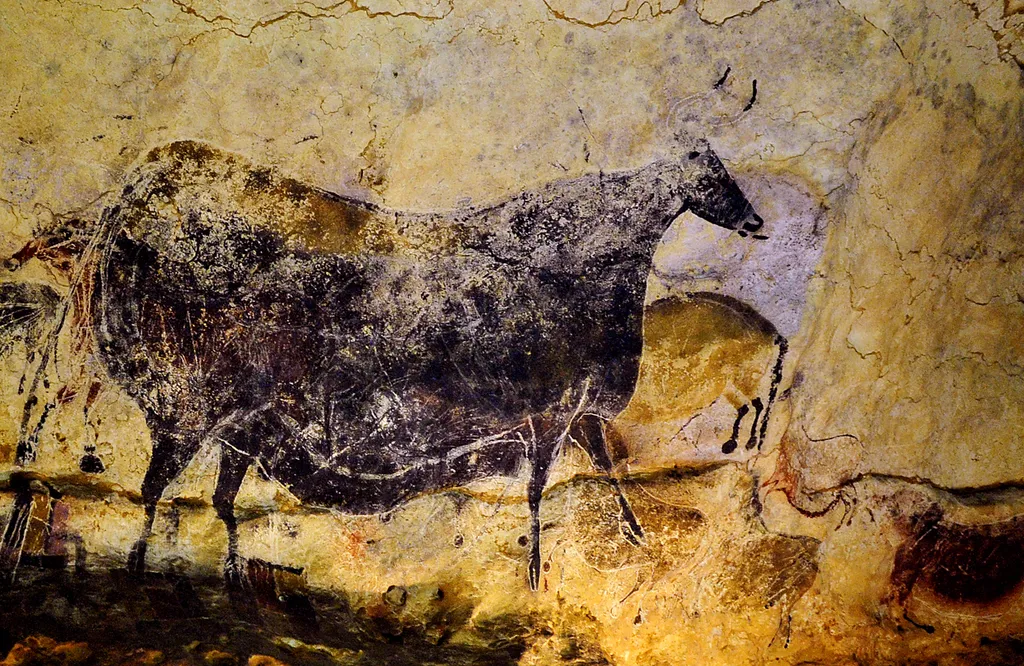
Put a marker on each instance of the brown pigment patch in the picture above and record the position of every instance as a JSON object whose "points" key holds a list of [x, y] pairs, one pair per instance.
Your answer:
{"points": [[670, 532], [960, 564], [767, 571]]}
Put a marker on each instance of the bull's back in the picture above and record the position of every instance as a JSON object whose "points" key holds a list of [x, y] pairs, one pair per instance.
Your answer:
{"points": [[206, 302]]}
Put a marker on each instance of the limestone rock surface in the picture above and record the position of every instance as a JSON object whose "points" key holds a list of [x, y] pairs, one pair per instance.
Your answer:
{"points": [[825, 445]]}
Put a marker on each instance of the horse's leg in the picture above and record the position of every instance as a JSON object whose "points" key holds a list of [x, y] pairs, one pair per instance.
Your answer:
{"points": [[90, 463], [758, 409], [542, 453], [589, 431], [26, 451], [234, 463], [17, 527], [783, 345], [171, 454], [731, 443]]}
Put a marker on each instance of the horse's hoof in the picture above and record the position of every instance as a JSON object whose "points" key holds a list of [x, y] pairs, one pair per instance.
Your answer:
{"points": [[729, 446], [24, 454]]}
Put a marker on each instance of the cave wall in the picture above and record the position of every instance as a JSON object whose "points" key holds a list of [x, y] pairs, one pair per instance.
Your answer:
{"points": [[876, 312]]}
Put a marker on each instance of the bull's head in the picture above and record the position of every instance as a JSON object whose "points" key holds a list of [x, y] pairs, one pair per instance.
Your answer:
{"points": [[709, 191], [714, 196]]}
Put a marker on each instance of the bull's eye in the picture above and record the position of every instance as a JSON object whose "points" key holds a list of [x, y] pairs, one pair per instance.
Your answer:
{"points": [[694, 155]]}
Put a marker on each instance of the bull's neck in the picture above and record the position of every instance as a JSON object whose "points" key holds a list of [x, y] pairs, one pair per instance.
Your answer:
{"points": [[658, 194]]}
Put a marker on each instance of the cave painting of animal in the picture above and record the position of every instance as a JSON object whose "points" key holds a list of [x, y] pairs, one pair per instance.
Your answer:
{"points": [[701, 347], [973, 568], [361, 356]]}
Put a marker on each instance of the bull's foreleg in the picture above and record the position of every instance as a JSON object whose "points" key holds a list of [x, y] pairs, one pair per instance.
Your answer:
{"points": [[171, 454], [589, 431], [233, 465]]}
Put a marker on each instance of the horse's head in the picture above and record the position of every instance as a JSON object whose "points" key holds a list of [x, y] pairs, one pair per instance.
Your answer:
{"points": [[710, 193], [58, 245]]}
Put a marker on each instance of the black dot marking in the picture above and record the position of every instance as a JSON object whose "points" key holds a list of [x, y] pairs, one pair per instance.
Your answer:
{"points": [[694, 155]]}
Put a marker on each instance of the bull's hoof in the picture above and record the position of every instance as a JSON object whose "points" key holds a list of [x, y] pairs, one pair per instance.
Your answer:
{"points": [[628, 524], [234, 573], [535, 568], [632, 532], [137, 558], [90, 462], [534, 576], [729, 446]]}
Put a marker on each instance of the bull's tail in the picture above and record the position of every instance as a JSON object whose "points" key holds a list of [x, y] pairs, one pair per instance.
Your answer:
{"points": [[28, 314]]}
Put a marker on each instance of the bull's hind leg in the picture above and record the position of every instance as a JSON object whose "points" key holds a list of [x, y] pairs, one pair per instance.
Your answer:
{"points": [[171, 454], [543, 449], [234, 463], [589, 431]]}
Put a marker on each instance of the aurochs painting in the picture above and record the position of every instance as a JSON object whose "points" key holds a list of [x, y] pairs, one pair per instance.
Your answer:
{"points": [[551, 332], [360, 357]]}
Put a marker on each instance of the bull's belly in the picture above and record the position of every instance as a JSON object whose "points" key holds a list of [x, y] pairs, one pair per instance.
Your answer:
{"points": [[368, 469]]}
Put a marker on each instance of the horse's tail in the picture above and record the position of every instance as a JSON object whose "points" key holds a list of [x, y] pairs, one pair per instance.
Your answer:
{"points": [[25, 310], [36, 314]]}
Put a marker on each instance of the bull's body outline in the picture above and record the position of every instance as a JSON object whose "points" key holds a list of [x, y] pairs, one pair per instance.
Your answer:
{"points": [[584, 377]]}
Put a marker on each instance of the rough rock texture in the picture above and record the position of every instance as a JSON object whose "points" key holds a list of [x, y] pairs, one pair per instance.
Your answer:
{"points": [[824, 446]]}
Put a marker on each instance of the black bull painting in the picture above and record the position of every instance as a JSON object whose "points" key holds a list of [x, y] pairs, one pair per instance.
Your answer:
{"points": [[362, 356]]}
